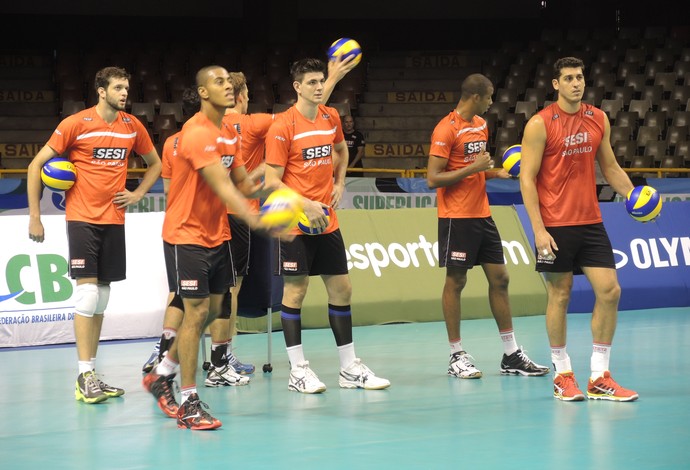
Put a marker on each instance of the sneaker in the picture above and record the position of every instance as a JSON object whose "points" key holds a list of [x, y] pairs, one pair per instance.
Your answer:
{"points": [[240, 368], [519, 364], [605, 388], [461, 366], [109, 389], [565, 387], [192, 415], [304, 380], [152, 361], [87, 389], [226, 375], [162, 389], [357, 375]]}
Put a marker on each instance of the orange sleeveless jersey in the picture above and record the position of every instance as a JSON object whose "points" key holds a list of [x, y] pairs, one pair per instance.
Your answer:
{"points": [[99, 151], [169, 147], [460, 142], [195, 215], [252, 129], [566, 182], [305, 149]]}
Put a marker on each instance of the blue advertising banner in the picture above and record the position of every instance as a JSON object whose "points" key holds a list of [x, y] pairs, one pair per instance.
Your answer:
{"points": [[652, 259]]}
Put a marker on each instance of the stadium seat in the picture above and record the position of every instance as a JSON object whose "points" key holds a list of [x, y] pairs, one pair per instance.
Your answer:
{"points": [[653, 93], [627, 119], [669, 106], [672, 161], [507, 135], [637, 81], [675, 134], [500, 109], [683, 149], [667, 81], [527, 108], [507, 95], [656, 118], [641, 161], [626, 69], [144, 111], [155, 95], [70, 107], [681, 93], [621, 133], [594, 95], [611, 107], [640, 106], [623, 93], [636, 55], [657, 149], [681, 118], [647, 134], [538, 95], [625, 150], [174, 108]]}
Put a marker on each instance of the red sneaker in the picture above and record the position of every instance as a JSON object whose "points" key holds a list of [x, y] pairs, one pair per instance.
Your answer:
{"points": [[565, 387], [161, 387], [192, 415], [605, 388]]}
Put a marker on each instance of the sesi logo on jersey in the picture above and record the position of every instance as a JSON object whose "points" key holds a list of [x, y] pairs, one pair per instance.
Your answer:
{"points": [[227, 160], [316, 152], [110, 153], [475, 147]]}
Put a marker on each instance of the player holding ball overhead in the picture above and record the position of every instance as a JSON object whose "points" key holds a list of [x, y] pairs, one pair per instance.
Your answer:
{"points": [[467, 235], [306, 151], [558, 185]]}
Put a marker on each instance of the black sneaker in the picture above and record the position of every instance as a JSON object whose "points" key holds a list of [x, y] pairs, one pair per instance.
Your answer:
{"points": [[162, 389], [87, 389], [192, 415], [109, 389], [519, 364]]}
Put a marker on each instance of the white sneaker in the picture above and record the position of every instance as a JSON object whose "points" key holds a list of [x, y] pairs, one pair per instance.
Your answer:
{"points": [[226, 375], [357, 375], [304, 380], [461, 366]]}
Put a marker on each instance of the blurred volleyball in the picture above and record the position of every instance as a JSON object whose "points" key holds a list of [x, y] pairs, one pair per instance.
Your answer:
{"points": [[345, 47], [304, 225], [281, 209], [58, 174], [511, 159], [643, 203]]}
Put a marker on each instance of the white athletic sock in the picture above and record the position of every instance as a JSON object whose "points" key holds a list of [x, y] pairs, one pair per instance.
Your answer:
{"points": [[560, 360], [85, 366], [347, 355], [509, 343], [167, 366], [295, 355], [599, 363], [186, 392], [456, 346], [93, 363]]}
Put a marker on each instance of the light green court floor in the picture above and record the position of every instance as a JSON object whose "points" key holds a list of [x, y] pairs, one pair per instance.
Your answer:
{"points": [[426, 420]]}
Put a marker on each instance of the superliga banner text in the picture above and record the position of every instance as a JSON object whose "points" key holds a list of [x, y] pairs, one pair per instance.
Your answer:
{"points": [[36, 301]]}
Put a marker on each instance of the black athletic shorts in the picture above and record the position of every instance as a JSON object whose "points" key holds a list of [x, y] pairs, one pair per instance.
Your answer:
{"points": [[197, 271], [240, 244], [97, 251], [578, 246], [313, 255], [464, 243]]}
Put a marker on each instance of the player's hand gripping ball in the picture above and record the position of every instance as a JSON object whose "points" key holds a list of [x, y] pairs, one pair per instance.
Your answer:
{"points": [[511, 159], [345, 47], [304, 225], [643, 203], [281, 210], [58, 174]]}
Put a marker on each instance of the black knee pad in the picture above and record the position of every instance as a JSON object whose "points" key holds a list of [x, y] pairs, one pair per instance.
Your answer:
{"points": [[177, 302]]}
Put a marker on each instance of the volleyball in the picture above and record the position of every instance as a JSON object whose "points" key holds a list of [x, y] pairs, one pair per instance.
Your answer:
{"points": [[58, 174], [643, 203], [511, 159], [304, 225], [345, 47], [281, 209]]}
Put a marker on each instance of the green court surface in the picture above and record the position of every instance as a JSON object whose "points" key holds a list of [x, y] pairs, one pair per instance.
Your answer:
{"points": [[425, 420]]}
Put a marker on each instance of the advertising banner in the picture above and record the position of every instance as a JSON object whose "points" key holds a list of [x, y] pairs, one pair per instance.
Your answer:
{"points": [[36, 305], [652, 259]]}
